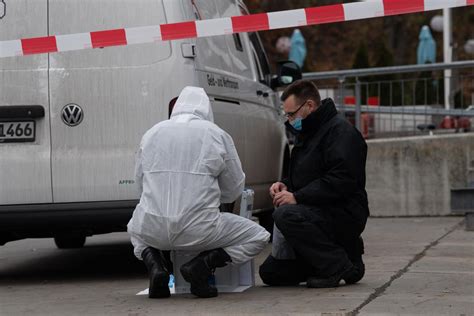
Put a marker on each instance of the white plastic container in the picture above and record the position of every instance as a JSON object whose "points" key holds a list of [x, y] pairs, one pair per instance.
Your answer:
{"points": [[231, 278]]}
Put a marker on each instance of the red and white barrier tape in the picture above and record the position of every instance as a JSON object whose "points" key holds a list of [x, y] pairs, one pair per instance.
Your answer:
{"points": [[223, 26]]}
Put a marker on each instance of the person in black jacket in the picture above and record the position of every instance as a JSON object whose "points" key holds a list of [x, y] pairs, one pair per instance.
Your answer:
{"points": [[321, 208]]}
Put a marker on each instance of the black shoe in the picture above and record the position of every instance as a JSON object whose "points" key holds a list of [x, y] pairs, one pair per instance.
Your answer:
{"points": [[198, 270], [347, 273], [356, 260], [158, 271], [357, 274]]}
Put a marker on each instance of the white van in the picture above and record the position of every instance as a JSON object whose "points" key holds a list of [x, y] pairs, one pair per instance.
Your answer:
{"points": [[70, 123]]}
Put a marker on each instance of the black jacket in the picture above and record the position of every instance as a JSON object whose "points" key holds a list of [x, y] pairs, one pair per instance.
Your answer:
{"points": [[327, 164]]}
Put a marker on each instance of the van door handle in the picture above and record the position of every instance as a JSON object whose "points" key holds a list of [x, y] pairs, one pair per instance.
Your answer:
{"points": [[21, 111], [261, 93]]}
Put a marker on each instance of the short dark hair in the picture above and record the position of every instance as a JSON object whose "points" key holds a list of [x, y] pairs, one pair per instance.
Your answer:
{"points": [[302, 90]]}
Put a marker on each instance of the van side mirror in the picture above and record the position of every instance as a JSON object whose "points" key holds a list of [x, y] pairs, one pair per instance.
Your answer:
{"points": [[287, 73]]}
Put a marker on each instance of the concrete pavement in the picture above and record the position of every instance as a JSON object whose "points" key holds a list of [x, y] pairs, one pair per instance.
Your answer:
{"points": [[414, 266]]}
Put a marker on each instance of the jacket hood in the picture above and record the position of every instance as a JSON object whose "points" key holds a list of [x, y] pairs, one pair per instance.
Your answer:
{"points": [[194, 101]]}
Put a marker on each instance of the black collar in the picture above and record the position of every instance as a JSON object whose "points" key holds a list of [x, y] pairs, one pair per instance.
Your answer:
{"points": [[313, 122]]}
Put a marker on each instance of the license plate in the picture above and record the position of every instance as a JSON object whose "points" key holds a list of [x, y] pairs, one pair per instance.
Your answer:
{"points": [[20, 131]]}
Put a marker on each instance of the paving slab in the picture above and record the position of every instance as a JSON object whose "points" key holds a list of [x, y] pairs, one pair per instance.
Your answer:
{"points": [[440, 282]]}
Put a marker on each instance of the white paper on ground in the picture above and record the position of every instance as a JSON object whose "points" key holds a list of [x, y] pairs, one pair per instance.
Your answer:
{"points": [[145, 291], [171, 285]]}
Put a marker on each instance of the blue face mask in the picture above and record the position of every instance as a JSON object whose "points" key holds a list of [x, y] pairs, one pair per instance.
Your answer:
{"points": [[297, 124]]}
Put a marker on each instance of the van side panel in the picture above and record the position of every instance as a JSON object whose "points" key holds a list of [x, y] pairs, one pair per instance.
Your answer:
{"points": [[122, 92], [25, 167]]}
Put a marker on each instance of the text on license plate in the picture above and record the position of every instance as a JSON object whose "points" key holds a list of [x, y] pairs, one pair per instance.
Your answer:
{"points": [[20, 131]]}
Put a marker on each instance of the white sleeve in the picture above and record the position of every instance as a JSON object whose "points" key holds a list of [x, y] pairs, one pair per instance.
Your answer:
{"points": [[232, 178], [139, 170]]}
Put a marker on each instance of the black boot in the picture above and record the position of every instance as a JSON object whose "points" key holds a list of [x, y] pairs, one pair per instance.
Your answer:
{"points": [[358, 263], [158, 270], [333, 281], [357, 274], [198, 270]]}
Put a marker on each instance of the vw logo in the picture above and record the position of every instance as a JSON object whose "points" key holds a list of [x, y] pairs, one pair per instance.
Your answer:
{"points": [[72, 114], [3, 9]]}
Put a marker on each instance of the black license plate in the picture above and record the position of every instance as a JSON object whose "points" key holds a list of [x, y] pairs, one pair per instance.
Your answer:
{"points": [[17, 132]]}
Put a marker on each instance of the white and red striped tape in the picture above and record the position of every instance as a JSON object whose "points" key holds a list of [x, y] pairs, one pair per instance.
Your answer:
{"points": [[223, 26]]}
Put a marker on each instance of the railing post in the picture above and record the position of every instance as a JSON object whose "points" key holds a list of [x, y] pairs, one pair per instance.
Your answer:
{"points": [[341, 95], [358, 105]]}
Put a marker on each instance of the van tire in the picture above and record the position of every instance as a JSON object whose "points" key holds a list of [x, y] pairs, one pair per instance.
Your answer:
{"points": [[70, 241]]}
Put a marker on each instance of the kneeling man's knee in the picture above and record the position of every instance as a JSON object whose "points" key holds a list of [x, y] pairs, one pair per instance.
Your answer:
{"points": [[284, 214], [279, 272]]}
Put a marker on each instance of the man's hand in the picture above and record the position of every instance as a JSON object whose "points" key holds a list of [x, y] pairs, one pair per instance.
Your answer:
{"points": [[283, 198], [277, 187]]}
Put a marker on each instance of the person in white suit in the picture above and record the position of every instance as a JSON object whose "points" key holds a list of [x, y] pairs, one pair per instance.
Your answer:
{"points": [[186, 167]]}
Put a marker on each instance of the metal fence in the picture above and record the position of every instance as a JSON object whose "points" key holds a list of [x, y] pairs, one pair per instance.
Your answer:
{"points": [[403, 100]]}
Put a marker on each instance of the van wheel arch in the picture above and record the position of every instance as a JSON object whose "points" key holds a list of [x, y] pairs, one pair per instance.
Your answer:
{"points": [[69, 241]]}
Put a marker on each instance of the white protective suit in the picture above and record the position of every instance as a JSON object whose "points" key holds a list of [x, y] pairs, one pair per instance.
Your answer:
{"points": [[186, 166]]}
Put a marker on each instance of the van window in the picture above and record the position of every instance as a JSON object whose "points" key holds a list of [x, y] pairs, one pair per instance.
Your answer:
{"points": [[261, 56], [197, 13], [260, 75], [69, 17], [238, 42], [204, 9], [212, 52], [221, 53], [243, 9]]}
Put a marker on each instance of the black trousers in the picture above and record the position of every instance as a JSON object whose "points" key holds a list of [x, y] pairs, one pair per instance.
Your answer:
{"points": [[324, 241]]}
